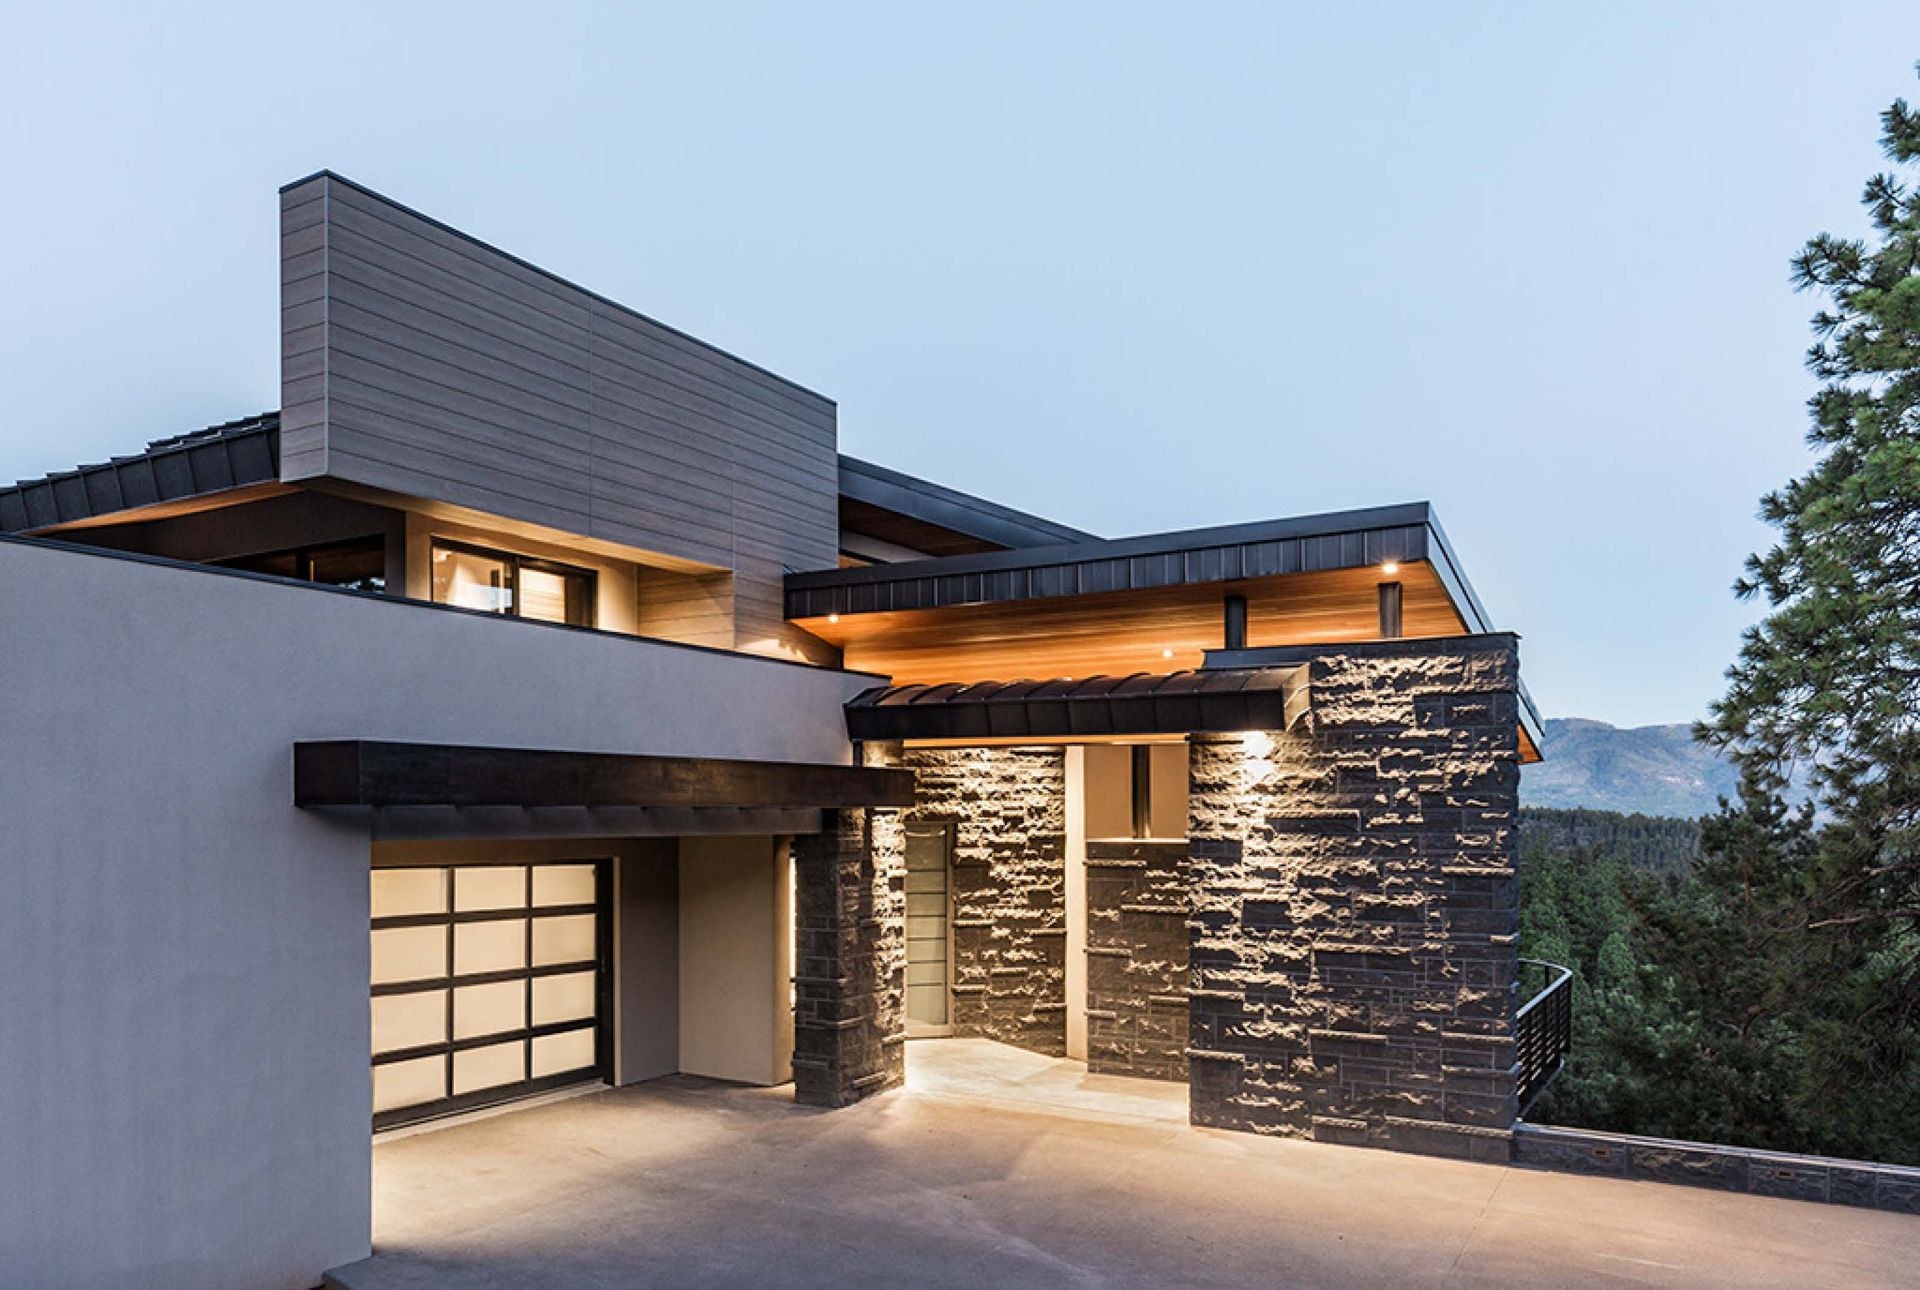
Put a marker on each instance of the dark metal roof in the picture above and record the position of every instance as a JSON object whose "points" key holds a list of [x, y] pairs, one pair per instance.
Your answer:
{"points": [[948, 508], [1303, 544], [373, 773], [233, 455], [1262, 698]]}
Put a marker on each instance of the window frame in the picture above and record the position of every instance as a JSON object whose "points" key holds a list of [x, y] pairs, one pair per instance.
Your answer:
{"points": [[515, 562], [303, 558]]}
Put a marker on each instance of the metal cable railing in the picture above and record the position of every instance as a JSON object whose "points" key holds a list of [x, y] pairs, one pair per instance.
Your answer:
{"points": [[1543, 1030]]}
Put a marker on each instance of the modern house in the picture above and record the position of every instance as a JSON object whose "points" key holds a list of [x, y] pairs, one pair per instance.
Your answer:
{"points": [[538, 697]]}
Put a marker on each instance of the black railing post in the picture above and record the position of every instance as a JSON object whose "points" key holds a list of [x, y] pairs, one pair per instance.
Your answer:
{"points": [[1543, 1032]]}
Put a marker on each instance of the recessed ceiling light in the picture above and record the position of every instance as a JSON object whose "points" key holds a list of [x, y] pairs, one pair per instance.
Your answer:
{"points": [[1390, 568], [833, 618], [1166, 653]]}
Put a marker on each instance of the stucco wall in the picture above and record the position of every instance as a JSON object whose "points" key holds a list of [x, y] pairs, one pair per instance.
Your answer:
{"points": [[736, 964], [646, 1031], [184, 1088]]}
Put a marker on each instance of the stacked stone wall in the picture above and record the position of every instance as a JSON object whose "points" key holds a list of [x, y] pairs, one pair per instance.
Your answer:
{"points": [[1007, 807], [1137, 959], [1353, 937], [850, 959]]}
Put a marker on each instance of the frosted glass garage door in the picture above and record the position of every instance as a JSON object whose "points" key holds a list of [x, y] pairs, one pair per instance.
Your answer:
{"points": [[487, 984]]}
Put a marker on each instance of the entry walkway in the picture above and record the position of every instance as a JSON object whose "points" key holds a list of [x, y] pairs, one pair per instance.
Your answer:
{"points": [[949, 1183], [980, 1070]]}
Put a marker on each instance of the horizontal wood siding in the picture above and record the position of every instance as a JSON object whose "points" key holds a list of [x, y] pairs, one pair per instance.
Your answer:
{"points": [[695, 609], [303, 331], [419, 361]]}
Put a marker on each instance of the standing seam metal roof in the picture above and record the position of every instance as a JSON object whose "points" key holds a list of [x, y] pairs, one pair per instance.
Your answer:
{"points": [[235, 454], [1264, 698]]}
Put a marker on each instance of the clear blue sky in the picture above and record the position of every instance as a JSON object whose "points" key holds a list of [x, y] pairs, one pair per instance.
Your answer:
{"points": [[1138, 267]]}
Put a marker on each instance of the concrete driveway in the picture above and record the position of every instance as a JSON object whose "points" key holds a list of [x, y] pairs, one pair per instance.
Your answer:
{"points": [[997, 1168]]}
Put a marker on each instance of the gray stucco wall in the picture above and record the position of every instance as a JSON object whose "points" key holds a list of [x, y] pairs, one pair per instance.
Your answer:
{"points": [[646, 1030], [184, 1089]]}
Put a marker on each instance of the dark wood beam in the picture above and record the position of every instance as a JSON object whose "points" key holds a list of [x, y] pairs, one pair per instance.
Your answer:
{"points": [[374, 773], [1390, 600]]}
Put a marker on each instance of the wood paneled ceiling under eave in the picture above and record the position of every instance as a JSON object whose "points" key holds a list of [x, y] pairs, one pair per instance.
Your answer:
{"points": [[1157, 630]]}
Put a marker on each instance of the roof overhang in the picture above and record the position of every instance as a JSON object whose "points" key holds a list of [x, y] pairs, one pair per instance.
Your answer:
{"points": [[365, 773], [1234, 553], [946, 513], [1262, 698]]}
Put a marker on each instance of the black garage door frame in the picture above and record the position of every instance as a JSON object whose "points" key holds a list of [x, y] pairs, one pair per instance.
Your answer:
{"points": [[602, 963]]}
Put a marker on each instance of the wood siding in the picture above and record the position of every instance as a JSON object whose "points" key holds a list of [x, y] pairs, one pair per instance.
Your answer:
{"points": [[1116, 633], [418, 361]]}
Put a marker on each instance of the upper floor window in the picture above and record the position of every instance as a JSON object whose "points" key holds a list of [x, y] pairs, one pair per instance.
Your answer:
{"points": [[359, 565], [499, 582]]}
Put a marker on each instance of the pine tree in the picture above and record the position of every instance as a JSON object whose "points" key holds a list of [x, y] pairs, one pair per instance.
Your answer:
{"points": [[1800, 953], [1830, 679]]}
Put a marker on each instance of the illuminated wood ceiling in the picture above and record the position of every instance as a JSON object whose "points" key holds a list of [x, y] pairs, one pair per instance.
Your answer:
{"points": [[1160, 629]]}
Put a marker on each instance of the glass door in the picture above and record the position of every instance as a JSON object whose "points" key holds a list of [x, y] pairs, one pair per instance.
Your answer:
{"points": [[929, 923]]}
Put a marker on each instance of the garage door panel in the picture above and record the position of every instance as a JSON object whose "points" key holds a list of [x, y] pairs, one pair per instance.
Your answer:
{"points": [[563, 884], [479, 888], [403, 954], [566, 939], [400, 892], [564, 998], [489, 1067], [497, 945], [566, 1051], [401, 1084], [402, 1021], [489, 1009]]}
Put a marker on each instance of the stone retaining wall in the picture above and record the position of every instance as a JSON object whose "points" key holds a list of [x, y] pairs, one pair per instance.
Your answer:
{"points": [[1698, 1164], [1137, 959], [1354, 935]]}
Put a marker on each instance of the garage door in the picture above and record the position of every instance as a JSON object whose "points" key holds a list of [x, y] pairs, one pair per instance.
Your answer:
{"points": [[488, 985]]}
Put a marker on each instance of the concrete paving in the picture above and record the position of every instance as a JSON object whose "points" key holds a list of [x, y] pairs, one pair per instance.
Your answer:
{"points": [[996, 1168]]}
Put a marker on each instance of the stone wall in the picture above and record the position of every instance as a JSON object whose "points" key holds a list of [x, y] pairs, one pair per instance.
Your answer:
{"points": [[1701, 1164], [1353, 938], [850, 958], [1008, 809], [1137, 959]]}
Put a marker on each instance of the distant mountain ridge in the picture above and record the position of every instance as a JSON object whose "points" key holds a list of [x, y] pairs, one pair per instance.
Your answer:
{"points": [[1649, 770]]}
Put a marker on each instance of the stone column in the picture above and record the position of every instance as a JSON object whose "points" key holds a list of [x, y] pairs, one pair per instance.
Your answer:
{"points": [[1354, 930], [850, 958]]}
